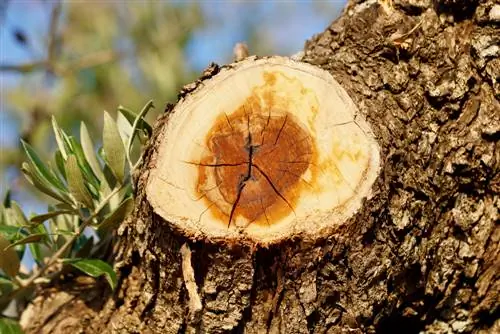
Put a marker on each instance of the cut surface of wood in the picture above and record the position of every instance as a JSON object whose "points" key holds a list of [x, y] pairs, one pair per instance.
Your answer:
{"points": [[265, 150]]}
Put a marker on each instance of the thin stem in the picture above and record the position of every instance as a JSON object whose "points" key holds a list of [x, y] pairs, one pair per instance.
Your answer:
{"points": [[139, 117], [53, 33], [23, 285]]}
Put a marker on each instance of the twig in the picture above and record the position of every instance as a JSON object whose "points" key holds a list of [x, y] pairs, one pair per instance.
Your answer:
{"points": [[91, 60], [23, 285], [53, 38], [139, 117], [240, 51], [23, 68]]}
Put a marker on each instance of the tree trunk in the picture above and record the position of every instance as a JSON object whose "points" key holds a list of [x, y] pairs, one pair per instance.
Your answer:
{"points": [[420, 255]]}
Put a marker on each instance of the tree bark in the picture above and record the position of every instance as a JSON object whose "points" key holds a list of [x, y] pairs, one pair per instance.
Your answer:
{"points": [[421, 255]]}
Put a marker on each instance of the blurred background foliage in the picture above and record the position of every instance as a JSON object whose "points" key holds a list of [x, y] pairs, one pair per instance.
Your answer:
{"points": [[75, 59]]}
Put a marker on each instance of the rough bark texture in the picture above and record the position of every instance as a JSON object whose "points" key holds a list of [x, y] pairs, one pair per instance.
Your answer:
{"points": [[421, 255]]}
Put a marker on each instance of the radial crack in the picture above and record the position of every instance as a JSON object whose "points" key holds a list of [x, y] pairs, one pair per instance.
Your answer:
{"points": [[281, 129], [274, 188], [214, 165]]}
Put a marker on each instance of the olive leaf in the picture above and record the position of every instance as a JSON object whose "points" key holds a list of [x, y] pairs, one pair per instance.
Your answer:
{"points": [[87, 171], [15, 215], [43, 185], [29, 239], [113, 147], [76, 182], [58, 133], [94, 268], [38, 167], [43, 217], [59, 160], [88, 151], [9, 261], [12, 232], [131, 117], [117, 216]]}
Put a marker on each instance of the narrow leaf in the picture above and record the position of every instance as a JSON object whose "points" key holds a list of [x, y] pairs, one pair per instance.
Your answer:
{"points": [[94, 268], [88, 151], [43, 185], [59, 138], [116, 217], [29, 239], [43, 217], [131, 116], [6, 287], [60, 163], [124, 127], [15, 215], [113, 147], [39, 250], [76, 183], [83, 163], [36, 252], [12, 232], [135, 127], [9, 261], [39, 167]]}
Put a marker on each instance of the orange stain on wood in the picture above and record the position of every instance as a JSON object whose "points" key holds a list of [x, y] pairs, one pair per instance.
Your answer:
{"points": [[258, 156]]}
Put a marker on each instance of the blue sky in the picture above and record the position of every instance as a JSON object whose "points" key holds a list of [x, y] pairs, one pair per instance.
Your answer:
{"points": [[282, 28]]}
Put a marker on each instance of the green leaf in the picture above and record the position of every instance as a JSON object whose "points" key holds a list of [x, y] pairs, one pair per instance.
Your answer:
{"points": [[6, 285], [8, 326], [40, 169], [76, 183], [113, 147], [36, 252], [12, 232], [94, 268], [39, 250], [116, 217], [124, 127], [15, 215], [89, 153], [131, 117], [58, 133], [59, 224], [29, 239], [44, 186], [9, 261], [83, 163], [43, 217], [135, 126], [60, 163]]}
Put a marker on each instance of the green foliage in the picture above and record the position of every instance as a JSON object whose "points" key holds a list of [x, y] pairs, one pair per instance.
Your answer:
{"points": [[87, 196], [8, 326], [113, 147], [94, 268], [9, 261], [90, 60]]}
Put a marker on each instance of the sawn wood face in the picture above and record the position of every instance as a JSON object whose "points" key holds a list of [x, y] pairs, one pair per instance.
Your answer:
{"points": [[258, 159]]}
